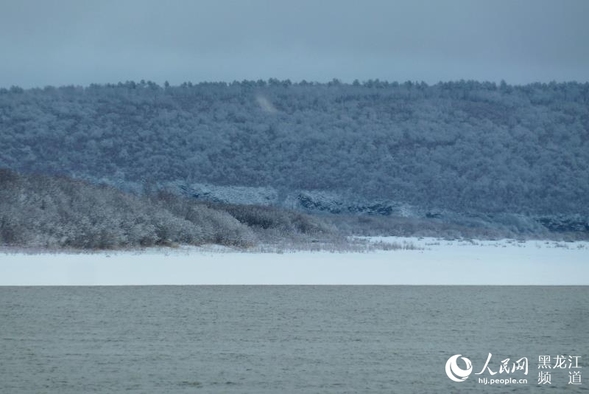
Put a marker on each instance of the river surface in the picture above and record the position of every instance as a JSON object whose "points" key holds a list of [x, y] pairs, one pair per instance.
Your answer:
{"points": [[291, 339]]}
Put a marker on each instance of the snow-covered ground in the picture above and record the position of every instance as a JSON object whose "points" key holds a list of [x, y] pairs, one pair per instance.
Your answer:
{"points": [[441, 262]]}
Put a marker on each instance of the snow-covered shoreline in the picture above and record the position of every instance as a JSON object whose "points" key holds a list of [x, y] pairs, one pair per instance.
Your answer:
{"points": [[438, 262]]}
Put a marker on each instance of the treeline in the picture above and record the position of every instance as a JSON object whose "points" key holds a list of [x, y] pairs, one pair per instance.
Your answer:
{"points": [[462, 146], [57, 212]]}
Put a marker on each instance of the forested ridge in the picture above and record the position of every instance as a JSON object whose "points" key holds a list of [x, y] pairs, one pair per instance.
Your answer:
{"points": [[462, 146], [59, 212], [39, 212]]}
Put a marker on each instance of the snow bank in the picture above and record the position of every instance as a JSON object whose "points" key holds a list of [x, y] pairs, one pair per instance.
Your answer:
{"points": [[441, 263]]}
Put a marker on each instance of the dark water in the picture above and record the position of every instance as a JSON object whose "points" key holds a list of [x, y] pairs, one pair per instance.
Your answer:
{"points": [[284, 339]]}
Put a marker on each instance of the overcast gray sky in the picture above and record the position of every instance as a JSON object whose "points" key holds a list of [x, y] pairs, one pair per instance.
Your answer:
{"points": [[63, 42]]}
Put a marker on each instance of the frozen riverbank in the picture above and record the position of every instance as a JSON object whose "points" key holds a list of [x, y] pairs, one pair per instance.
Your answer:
{"points": [[441, 262]]}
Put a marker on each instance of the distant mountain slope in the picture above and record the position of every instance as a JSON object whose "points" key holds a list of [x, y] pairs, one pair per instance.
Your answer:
{"points": [[463, 146]]}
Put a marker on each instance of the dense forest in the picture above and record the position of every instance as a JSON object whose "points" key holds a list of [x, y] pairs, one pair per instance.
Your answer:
{"points": [[462, 146]]}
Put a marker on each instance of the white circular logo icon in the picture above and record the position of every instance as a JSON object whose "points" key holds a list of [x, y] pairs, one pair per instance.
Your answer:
{"points": [[456, 373]]}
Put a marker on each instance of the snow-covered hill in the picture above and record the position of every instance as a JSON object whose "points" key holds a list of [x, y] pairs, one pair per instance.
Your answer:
{"points": [[323, 202], [311, 201]]}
